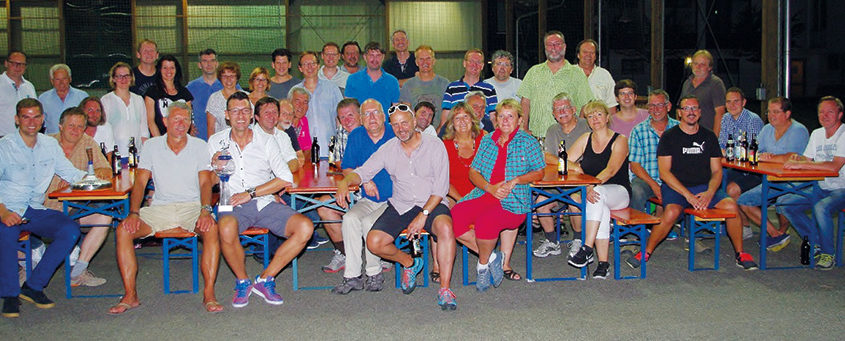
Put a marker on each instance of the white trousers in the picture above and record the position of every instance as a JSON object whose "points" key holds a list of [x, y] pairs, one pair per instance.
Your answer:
{"points": [[357, 222], [611, 197]]}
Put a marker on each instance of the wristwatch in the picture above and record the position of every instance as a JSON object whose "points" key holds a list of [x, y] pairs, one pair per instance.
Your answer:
{"points": [[426, 212], [208, 208], [251, 192]]}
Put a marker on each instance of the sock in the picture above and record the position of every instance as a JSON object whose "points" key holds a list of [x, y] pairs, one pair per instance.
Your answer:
{"points": [[551, 236], [339, 246], [78, 269], [479, 267]]}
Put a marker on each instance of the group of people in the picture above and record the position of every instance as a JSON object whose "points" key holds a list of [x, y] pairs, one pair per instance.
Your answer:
{"points": [[451, 159]]}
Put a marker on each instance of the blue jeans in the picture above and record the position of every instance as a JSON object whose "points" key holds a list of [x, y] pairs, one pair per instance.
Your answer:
{"points": [[793, 207], [640, 193], [50, 224]]}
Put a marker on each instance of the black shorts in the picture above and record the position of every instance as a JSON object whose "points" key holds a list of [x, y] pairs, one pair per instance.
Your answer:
{"points": [[745, 180], [393, 223]]}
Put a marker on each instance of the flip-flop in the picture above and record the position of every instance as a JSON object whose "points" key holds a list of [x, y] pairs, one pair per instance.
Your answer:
{"points": [[435, 276], [512, 275], [208, 304], [126, 307]]}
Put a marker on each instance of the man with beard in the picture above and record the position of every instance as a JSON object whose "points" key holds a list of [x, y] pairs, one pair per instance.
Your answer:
{"points": [[351, 53]]}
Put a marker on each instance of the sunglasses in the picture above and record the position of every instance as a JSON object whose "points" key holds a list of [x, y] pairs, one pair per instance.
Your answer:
{"points": [[400, 107]]}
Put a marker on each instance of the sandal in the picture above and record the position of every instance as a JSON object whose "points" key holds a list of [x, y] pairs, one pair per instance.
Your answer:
{"points": [[435, 276], [213, 307], [512, 275], [120, 305]]}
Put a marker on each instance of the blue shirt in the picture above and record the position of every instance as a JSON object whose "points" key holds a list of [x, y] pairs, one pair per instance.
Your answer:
{"points": [[201, 91], [385, 90], [359, 147], [322, 112], [457, 90], [748, 122], [793, 140], [54, 106], [25, 173]]}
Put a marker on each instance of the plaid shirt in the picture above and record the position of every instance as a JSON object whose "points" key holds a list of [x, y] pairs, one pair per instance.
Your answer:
{"points": [[340, 138], [524, 156], [748, 122], [642, 147]]}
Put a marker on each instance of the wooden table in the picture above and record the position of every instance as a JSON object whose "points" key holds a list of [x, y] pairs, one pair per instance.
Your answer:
{"points": [[556, 188], [778, 181]]}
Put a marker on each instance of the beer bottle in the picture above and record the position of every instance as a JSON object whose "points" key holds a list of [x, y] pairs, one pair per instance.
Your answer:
{"points": [[115, 161], [752, 151], [805, 251], [315, 152], [332, 149], [729, 149], [133, 153], [562, 156]]}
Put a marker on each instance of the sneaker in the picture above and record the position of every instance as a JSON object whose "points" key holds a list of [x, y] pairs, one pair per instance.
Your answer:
{"points": [[337, 263], [744, 260], [482, 280], [637, 259], [36, 297], [267, 289], [409, 276], [312, 244], [242, 290], [319, 239], [12, 307], [87, 279], [601, 270], [446, 299], [824, 262], [777, 243], [547, 248], [74, 255], [374, 283], [349, 284], [747, 233], [672, 235], [497, 271], [583, 257], [574, 246], [385, 266]]}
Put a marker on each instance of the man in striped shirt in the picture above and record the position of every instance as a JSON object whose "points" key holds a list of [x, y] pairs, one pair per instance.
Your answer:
{"points": [[471, 81]]}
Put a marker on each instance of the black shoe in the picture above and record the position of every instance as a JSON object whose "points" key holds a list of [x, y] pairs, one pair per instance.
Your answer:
{"points": [[601, 270], [11, 307], [581, 258], [36, 297]]}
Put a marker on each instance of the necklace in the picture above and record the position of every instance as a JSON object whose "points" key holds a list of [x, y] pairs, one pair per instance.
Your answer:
{"points": [[462, 159]]}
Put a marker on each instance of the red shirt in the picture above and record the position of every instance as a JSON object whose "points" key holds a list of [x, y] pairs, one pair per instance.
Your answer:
{"points": [[459, 167]]}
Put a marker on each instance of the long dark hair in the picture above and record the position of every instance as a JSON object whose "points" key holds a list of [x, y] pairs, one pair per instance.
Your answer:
{"points": [[177, 80]]}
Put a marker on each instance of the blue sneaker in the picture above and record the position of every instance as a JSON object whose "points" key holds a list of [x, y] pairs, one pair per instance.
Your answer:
{"points": [[483, 280], [316, 241], [409, 276], [267, 289], [777, 243], [497, 271], [242, 290], [446, 299], [672, 235]]}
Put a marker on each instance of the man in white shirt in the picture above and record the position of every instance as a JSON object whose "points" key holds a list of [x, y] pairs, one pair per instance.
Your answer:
{"points": [[13, 88], [266, 119], [260, 173], [502, 66], [601, 82]]}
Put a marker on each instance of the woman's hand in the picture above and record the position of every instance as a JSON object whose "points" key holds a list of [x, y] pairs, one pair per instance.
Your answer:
{"points": [[592, 195]]}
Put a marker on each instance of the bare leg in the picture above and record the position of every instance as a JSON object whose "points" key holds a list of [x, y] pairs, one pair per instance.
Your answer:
{"points": [[210, 264], [230, 243], [753, 214], [442, 228], [435, 267], [95, 237], [127, 263], [670, 214], [298, 231], [734, 225], [508, 238], [602, 246], [734, 192]]}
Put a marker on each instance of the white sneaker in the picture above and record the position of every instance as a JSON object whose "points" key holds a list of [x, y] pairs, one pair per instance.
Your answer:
{"points": [[74, 255], [547, 248], [37, 253], [337, 263], [747, 233], [574, 246]]}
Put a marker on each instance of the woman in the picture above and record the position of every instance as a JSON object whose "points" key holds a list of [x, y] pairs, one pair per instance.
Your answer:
{"points": [[97, 127], [259, 83], [628, 115], [168, 89], [506, 162], [605, 156], [229, 74], [124, 110]]}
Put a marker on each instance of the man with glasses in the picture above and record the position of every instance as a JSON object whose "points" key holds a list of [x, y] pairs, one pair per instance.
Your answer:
{"points": [[321, 104], [61, 97], [13, 88], [690, 164], [374, 83], [330, 71], [642, 149], [470, 81], [260, 173], [506, 86]]}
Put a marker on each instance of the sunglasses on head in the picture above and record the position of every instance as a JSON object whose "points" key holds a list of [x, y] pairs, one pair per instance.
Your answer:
{"points": [[400, 107]]}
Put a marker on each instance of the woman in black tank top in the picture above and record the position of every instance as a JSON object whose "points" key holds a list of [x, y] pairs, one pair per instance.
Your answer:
{"points": [[604, 155]]}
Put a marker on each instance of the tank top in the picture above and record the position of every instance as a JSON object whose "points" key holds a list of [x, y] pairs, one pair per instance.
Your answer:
{"points": [[593, 163]]}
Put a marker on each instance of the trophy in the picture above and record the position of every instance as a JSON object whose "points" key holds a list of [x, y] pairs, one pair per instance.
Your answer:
{"points": [[224, 167], [90, 181]]}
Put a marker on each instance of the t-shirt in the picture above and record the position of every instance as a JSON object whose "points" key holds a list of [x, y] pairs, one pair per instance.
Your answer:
{"points": [[415, 90], [794, 140], [820, 148], [281, 90], [294, 142], [105, 134], [162, 99], [175, 175], [710, 94], [624, 127], [142, 82], [555, 134], [201, 92], [690, 154], [385, 89], [506, 89]]}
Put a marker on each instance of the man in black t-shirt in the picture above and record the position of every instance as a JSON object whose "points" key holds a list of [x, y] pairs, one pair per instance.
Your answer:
{"points": [[690, 164], [145, 72]]}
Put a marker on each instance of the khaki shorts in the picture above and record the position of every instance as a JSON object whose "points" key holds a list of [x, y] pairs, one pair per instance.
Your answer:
{"points": [[165, 217]]}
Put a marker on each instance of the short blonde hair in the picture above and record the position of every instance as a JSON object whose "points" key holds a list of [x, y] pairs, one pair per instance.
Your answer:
{"points": [[705, 54], [510, 103]]}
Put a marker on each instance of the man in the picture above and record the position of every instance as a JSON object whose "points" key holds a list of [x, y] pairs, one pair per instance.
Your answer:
{"points": [[61, 97], [286, 125], [569, 128], [417, 203], [363, 142], [642, 149], [778, 141], [502, 65], [324, 97], [13, 88], [260, 172], [600, 80], [708, 87], [402, 65], [426, 86], [351, 53], [477, 101], [544, 81], [330, 71], [145, 72], [690, 164], [740, 120], [471, 81], [266, 120], [282, 81], [202, 88], [825, 151], [424, 111], [178, 164], [349, 118], [28, 161], [75, 143], [375, 83]]}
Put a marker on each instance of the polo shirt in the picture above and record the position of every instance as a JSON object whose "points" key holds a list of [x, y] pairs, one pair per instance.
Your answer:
{"points": [[458, 90], [385, 90], [400, 71], [201, 92], [359, 148]]}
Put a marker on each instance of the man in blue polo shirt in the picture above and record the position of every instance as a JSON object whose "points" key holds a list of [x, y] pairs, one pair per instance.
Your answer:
{"points": [[375, 83], [362, 143], [471, 81]]}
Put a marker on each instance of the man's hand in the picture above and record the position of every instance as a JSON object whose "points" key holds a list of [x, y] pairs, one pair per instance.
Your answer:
{"points": [[103, 173], [132, 223], [655, 188], [205, 221], [702, 200], [371, 189], [765, 156], [342, 197], [239, 199], [11, 219], [416, 226]]}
